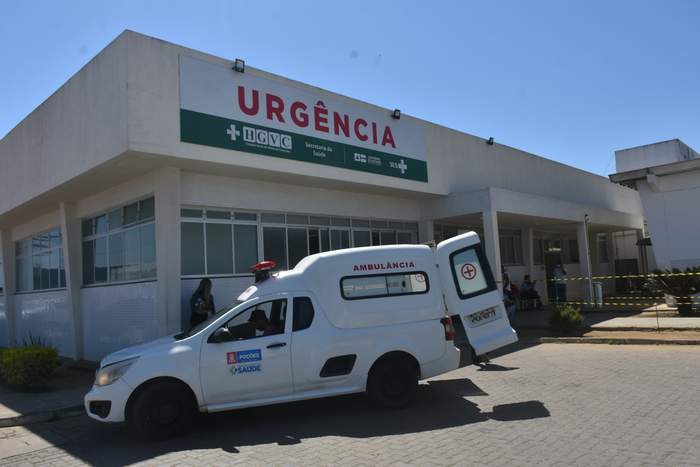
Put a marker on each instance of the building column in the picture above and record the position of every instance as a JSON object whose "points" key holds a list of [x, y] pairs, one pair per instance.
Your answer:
{"points": [[426, 232], [584, 255], [167, 201], [71, 234], [491, 244], [7, 250]]}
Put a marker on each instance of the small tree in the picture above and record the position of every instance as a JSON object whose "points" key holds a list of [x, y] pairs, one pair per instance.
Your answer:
{"points": [[565, 319]]}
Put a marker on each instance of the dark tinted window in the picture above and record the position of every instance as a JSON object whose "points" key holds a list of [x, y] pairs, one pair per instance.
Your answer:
{"points": [[303, 313]]}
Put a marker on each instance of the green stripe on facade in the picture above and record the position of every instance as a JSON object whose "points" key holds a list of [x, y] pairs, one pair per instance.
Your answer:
{"points": [[208, 130]]}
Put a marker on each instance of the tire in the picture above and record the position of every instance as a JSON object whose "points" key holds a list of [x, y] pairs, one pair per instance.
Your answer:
{"points": [[392, 383], [162, 410]]}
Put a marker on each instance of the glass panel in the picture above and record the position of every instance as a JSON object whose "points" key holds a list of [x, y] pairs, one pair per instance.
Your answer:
{"points": [[398, 284], [325, 240], [131, 213], [86, 227], [53, 268], [147, 208], [303, 313], [192, 248], [297, 219], [375, 239], [245, 216], [360, 238], [245, 241], [360, 223], [55, 236], [219, 248], [116, 257], [314, 242], [197, 213], [467, 269], [320, 220], [359, 287], [211, 214], [275, 245], [45, 270], [335, 239], [274, 218], [88, 262], [36, 273], [40, 243], [376, 224], [101, 259], [115, 219], [404, 238], [340, 222], [101, 224], [412, 226], [296, 239], [395, 225], [148, 251], [132, 255], [20, 264], [61, 270], [388, 238]]}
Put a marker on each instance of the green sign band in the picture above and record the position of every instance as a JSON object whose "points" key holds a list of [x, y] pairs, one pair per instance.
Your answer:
{"points": [[209, 130]]}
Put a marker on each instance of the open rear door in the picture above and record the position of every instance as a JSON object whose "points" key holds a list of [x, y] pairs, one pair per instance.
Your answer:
{"points": [[471, 293]]}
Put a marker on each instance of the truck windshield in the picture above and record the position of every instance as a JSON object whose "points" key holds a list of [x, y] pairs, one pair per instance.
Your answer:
{"points": [[195, 329]]}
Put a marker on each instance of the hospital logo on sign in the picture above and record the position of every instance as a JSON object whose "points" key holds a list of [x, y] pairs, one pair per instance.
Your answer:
{"points": [[243, 356], [260, 136]]}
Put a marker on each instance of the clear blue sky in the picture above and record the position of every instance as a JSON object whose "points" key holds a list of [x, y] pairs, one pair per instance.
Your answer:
{"points": [[568, 80]]}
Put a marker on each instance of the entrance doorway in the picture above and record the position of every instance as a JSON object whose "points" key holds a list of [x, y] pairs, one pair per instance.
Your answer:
{"points": [[551, 259]]}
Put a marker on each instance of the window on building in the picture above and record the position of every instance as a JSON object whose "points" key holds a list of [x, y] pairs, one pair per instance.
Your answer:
{"points": [[571, 251], [511, 247], [120, 245], [39, 262], [383, 285], [602, 242]]}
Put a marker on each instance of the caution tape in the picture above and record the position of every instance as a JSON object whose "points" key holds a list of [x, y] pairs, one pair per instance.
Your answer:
{"points": [[644, 304], [628, 276]]}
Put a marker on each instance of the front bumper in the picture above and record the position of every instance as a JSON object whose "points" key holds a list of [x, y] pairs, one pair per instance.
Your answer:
{"points": [[116, 394]]}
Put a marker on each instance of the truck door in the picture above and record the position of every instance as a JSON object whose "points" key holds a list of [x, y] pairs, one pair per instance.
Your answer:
{"points": [[470, 292]]}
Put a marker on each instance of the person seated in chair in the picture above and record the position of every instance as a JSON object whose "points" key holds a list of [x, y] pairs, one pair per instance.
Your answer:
{"points": [[528, 292]]}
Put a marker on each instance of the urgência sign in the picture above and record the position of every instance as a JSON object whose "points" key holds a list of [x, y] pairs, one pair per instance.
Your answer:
{"points": [[223, 108]]}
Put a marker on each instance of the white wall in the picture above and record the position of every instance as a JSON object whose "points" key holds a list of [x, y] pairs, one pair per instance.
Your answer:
{"points": [[118, 316], [651, 155], [46, 315]]}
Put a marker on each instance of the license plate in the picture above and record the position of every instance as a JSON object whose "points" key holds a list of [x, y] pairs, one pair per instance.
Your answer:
{"points": [[482, 317]]}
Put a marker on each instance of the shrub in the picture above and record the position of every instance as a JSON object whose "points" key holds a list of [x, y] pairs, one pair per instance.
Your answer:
{"points": [[565, 319], [27, 367]]}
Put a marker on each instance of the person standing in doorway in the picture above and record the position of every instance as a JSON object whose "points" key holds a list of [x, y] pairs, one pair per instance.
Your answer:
{"points": [[560, 282], [201, 303]]}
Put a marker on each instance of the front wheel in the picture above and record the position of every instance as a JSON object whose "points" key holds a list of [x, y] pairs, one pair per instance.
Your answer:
{"points": [[392, 383], [162, 410]]}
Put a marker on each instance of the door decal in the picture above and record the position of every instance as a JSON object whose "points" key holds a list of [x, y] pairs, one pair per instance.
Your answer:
{"points": [[468, 271]]}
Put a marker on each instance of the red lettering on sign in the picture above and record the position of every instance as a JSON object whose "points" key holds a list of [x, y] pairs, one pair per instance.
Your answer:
{"points": [[321, 117], [299, 115], [255, 106], [358, 123], [341, 124], [388, 138], [275, 106]]}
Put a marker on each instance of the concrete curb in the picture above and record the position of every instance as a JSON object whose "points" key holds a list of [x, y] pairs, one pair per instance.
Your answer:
{"points": [[615, 341], [45, 416]]}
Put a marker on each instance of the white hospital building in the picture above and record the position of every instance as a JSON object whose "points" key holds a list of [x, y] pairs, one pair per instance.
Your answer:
{"points": [[156, 165]]}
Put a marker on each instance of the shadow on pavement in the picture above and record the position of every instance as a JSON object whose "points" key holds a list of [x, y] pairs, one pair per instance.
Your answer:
{"points": [[439, 404]]}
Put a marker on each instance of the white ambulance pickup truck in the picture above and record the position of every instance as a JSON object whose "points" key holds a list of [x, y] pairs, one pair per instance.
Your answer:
{"points": [[374, 320]]}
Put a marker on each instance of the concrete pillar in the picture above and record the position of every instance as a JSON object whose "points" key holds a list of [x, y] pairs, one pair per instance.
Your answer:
{"points": [[7, 250], [72, 238], [167, 201], [492, 245], [584, 254], [426, 231]]}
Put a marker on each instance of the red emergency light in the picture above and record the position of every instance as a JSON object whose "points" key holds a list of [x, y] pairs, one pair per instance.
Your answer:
{"points": [[262, 270]]}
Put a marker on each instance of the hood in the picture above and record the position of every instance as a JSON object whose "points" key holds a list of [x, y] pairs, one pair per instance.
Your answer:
{"points": [[138, 350]]}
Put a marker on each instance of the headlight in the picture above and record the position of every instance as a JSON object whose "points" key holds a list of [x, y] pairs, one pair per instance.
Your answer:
{"points": [[110, 373]]}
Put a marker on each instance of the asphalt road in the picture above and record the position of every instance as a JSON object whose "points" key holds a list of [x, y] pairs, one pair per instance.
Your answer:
{"points": [[551, 404]]}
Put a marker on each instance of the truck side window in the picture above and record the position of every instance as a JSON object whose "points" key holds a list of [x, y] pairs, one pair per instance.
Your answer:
{"points": [[383, 285], [262, 319], [303, 313]]}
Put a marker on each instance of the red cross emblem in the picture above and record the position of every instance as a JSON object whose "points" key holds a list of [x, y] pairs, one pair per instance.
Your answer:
{"points": [[468, 271]]}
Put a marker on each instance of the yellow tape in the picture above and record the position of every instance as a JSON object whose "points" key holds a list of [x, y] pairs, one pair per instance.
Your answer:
{"points": [[628, 276]]}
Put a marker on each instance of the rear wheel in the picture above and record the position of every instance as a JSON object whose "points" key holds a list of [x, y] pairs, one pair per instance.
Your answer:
{"points": [[161, 410], [392, 382]]}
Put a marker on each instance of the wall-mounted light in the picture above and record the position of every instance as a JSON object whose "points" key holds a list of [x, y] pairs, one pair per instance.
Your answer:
{"points": [[490, 141], [239, 65], [396, 114]]}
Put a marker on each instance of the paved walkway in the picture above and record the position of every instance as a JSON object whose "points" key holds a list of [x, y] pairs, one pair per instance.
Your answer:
{"points": [[614, 321], [545, 405]]}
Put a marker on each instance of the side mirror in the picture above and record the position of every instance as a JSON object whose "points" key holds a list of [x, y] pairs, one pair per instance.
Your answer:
{"points": [[221, 335]]}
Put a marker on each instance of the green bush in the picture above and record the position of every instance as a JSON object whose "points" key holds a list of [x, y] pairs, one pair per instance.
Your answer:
{"points": [[27, 367], [565, 319]]}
